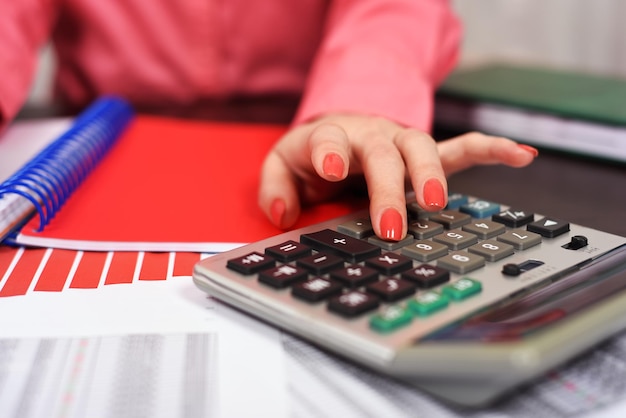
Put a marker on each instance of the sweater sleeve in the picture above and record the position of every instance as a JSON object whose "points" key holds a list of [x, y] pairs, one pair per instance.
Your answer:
{"points": [[382, 58], [25, 26]]}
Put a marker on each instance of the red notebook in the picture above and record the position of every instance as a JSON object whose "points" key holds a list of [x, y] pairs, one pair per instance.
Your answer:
{"points": [[173, 185]]}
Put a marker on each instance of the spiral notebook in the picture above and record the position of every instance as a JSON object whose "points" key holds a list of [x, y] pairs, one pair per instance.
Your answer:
{"points": [[44, 183], [163, 185]]}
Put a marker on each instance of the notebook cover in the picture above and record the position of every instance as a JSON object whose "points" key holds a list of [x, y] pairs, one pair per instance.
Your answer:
{"points": [[173, 185], [565, 94]]}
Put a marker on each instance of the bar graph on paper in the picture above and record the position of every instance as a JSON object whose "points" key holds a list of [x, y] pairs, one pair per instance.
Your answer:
{"points": [[52, 270]]}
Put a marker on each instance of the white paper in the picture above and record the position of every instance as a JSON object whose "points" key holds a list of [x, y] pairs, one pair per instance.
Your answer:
{"points": [[243, 358]]}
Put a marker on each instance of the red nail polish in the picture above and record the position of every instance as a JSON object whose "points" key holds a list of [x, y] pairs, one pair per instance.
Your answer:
{"points": [[333, 165], [433, 194], [391, 225], [530, 149], [277, 211]]}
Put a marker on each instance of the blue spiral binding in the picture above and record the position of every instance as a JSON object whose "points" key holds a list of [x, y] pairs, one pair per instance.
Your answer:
{"points": [[49, 179]]}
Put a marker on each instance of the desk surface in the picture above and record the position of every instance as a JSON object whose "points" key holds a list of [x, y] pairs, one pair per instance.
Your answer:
{"points": [[587, 192]]}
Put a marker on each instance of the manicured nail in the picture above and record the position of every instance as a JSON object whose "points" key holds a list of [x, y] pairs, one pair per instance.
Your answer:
{"points": [[530, 149], [391, 225], [433, 194], [277, 211], [333, 165]]}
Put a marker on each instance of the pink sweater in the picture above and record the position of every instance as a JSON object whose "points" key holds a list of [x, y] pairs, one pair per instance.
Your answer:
{"points": [[378, 57]]}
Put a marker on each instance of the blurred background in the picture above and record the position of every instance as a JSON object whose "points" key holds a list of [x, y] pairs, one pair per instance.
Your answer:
{"points": [[581, 35]]}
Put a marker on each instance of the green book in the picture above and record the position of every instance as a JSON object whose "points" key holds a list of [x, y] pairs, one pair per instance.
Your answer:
{"points": [[568, 111], [567, 94]]}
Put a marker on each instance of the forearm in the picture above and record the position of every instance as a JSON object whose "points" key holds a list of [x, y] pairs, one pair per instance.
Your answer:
{"points": [[382, 59]]}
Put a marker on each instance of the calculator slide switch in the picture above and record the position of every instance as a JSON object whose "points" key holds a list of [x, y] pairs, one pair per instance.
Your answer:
{"points": [[577, 242], [517, 269]]}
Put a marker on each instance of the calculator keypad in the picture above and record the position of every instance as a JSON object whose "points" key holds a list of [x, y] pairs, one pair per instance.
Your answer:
{"points": [[354, 273]]}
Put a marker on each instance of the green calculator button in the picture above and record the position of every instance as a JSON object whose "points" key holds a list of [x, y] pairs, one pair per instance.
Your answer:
{"points": [[462, 288], [425, 303], [391, 318]]}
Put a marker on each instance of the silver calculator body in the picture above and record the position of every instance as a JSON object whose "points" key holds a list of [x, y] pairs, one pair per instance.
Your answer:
{"points": [[469, 339]]}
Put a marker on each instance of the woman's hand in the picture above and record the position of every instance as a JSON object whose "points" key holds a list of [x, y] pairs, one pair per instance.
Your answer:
{"points": [[314, 161]]}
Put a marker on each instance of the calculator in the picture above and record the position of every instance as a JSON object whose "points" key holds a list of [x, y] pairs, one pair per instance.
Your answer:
{"points": [[479, 299]]}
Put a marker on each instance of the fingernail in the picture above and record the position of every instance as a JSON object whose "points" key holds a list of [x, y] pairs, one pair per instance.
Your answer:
{"points": [[530, 149], [391, 225], [433, 194], [277, 211], [333, 165]]}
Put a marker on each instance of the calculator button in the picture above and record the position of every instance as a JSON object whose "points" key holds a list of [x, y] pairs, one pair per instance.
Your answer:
{"points": [[451, 219], [456, 239], [415, 211], [425, 250], [461, 262], [288, 251], [251, 263], [391, 318], [282, 276], [392, 289], [520, 238], [353, 249], [391, 245], [462, 289], [455, 200], [427, 276], [492, 250], [480, 208], [425, 303], [549, 227], [357, 228], [484, 229], [513, 218], [390, 263], [316, 289], [355, 275], [353, 303], [423, 229], [320, 263]]}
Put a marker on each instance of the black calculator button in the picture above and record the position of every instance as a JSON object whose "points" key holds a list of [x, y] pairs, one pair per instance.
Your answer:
{"points": [[353, 303], [513, 218], [392, 289], [316, 289], [320, 263], [355, 275], [282, 275], [427, 276], [390, 263], [549, 227], [251, 263], [352, 249], [288, 251]]}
